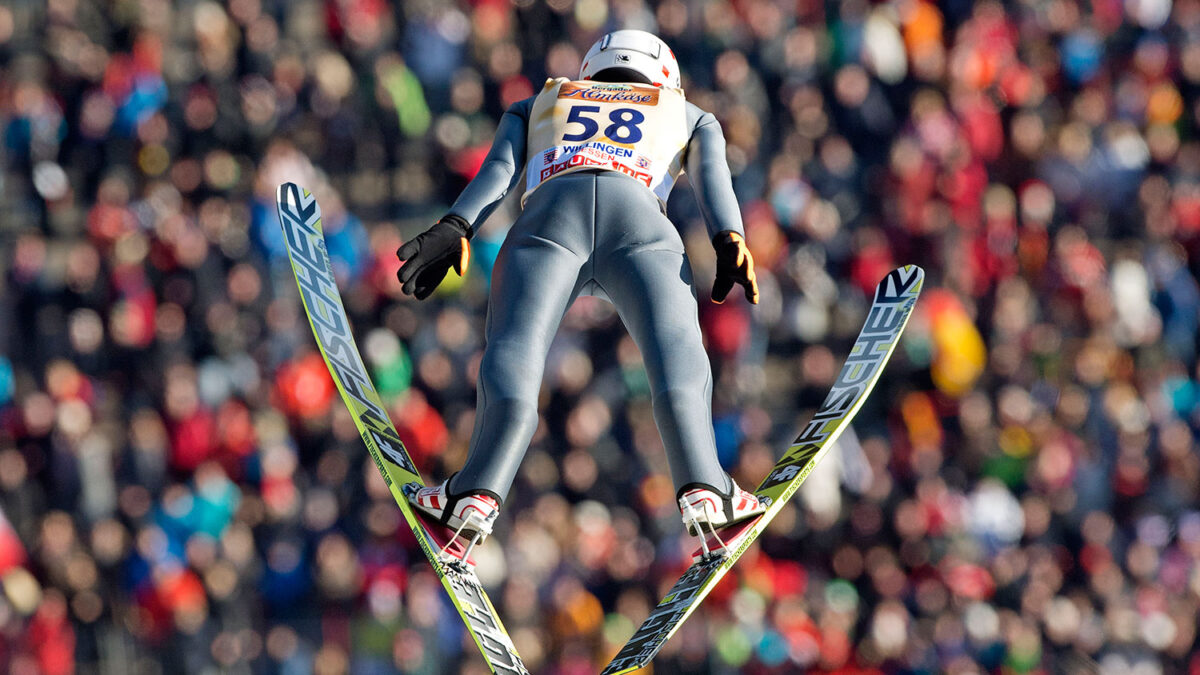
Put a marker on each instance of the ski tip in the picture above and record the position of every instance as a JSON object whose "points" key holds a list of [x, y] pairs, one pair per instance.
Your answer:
{"points": [[290, 189], [905, 281], [299, 205]]}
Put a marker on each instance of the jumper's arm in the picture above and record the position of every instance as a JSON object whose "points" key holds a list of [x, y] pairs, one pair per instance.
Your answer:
{"points": [[709, 174], [501, 170]]}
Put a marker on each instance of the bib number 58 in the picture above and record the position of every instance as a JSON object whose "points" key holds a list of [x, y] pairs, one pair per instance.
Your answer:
{"points": [[624, 127]]}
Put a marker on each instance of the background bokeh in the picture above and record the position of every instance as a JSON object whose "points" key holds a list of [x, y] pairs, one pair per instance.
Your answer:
{"points": [[182, 491]]}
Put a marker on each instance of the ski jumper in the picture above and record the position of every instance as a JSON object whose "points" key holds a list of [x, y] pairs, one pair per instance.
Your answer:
{"points": [[599, 162]]}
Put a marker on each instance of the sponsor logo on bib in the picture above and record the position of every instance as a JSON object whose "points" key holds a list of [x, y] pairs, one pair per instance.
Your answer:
{"points": [[594, 154], [603, 92]]}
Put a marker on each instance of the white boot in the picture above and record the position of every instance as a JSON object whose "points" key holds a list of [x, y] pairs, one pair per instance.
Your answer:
{"points": [[466, 513], [705, 510]]}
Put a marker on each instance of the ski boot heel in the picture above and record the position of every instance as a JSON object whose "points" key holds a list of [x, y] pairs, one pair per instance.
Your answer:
{"points": [[720, 521], [455, 523], [706, 510]]}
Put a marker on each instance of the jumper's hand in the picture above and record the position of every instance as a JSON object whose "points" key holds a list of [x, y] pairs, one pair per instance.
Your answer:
{"points": [[735, 265], [431, 254]]}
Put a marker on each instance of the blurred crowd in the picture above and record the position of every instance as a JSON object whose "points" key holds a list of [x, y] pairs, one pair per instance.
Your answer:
{"points": [[182, 491]]}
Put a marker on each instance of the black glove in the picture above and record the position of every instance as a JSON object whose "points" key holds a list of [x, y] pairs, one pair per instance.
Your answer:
{"points": [[429, 255], [735, 265]]}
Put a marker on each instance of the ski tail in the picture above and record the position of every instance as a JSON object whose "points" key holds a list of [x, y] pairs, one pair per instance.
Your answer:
{"points": [[300, 218], [895, 297]]}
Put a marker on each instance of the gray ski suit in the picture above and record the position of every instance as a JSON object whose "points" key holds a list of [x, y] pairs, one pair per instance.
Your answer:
{"points": [[602, 233]]}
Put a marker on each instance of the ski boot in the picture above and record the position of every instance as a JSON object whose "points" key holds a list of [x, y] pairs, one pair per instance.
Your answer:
{"points": [[457, 523], [718, 519]]}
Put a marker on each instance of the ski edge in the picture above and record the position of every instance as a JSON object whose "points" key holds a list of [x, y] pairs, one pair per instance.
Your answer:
{"points": [[305, 245], [908, 291]]}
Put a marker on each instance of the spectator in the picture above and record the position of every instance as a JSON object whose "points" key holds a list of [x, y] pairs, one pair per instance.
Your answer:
{"points": [[181, 490]]}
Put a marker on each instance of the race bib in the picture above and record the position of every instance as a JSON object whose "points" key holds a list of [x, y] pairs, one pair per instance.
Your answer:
{"points": [[638, 130]]}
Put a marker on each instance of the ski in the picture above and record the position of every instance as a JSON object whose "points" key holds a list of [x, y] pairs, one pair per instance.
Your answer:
{"points": [[300, 217], [895, 297]]}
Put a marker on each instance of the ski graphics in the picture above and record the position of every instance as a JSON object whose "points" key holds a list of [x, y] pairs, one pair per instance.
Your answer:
{"points": [[300, 217], [895, 298]]}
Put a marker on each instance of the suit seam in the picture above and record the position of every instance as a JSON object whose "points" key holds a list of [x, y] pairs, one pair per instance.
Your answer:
{"points": [[595, 226]]}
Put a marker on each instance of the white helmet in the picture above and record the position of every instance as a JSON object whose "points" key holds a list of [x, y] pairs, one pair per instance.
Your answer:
{"points": [[636, 51]]}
